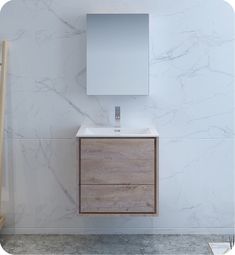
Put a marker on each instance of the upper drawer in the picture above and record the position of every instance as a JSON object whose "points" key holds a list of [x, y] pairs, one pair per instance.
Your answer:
{"points": [[117, 161], [117, 149]]}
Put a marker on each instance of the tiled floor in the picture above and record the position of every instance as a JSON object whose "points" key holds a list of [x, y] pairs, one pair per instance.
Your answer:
{"points": [[109, 244]]}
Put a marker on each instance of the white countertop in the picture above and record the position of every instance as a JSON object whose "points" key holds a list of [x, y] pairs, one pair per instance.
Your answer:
{"points": [[85, 131]]}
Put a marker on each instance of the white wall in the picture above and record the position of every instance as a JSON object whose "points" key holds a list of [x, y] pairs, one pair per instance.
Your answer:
{"points": [[190, 103]]}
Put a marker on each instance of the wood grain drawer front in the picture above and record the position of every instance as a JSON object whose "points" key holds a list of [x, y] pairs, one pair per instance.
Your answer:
{"points": [[117, 161], [117, 199], [117, 149], [126, 171]]}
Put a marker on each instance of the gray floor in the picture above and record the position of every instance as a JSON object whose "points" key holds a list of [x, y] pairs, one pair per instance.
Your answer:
{"points": [[109, 244]]}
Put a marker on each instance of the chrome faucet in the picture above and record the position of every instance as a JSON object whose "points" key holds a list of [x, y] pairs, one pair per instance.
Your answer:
{"points": [[117, 116]]}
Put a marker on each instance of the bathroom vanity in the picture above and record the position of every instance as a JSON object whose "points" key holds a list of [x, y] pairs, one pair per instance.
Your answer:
{"points": [[118, 171], [118, 168]]}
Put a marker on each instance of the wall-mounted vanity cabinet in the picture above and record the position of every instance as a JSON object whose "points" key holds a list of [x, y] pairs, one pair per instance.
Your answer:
{"points": [[117, 54], [118, 174]]}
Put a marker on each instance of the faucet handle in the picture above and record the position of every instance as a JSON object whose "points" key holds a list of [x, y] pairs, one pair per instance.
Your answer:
{"points": [[117, 108]]}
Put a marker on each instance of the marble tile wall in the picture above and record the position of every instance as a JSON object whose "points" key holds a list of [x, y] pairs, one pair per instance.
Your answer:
{"points": [[191, 103]]}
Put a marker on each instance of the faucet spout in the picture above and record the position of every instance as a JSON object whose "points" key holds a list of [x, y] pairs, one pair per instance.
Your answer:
{"points": [[117, 116]]}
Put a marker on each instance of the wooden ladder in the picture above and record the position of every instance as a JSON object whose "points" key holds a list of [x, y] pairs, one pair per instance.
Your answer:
{"points": [[3, 76]]}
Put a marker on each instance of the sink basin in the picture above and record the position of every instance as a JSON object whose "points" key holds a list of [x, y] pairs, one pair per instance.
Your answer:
{"points": [[116, 132]]}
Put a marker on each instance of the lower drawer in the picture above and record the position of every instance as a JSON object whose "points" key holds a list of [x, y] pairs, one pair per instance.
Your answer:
{"points": [[117, 199]]}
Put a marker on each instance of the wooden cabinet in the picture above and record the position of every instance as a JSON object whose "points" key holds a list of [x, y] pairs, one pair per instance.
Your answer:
{"points": [[118, 175]]}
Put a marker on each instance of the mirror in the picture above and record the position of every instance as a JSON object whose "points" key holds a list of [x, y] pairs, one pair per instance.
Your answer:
{"points": [[117, 54]]}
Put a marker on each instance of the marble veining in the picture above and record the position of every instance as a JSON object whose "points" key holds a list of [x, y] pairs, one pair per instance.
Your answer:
{"points": [[191, 104]]}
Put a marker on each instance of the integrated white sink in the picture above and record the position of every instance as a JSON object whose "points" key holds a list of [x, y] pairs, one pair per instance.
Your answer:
{"points": [[116, 132]]}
